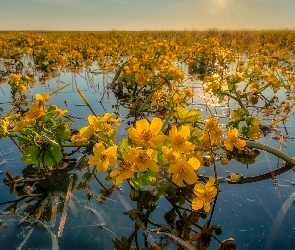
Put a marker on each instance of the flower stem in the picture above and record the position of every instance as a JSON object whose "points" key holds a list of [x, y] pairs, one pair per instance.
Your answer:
{"points": [[271, 150]]}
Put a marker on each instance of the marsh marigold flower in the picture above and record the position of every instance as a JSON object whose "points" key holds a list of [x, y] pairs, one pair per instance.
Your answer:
{"points": [[188, 92], [15, 77], [78, 139], [60, 112], [42, 99], [184, 171], [35, 111], [233, 140], [212, 128], [142, 158], [3, 127], [179, 141], [146, 134], [171, 155], [103, 158], [124, 172], [21, 87], [20, 125], [205, 194]]}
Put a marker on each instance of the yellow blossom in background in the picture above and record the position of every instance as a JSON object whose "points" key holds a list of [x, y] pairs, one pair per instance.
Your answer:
{"points": [[127, 70], [145, 134], [103, 158], [205, 194], [125, 171], [188, 92], [171, 155], [213, 83], [178, 99], [30, 79], [179, 138], [142, 76], [177, 74], [156, 98], [233, 140], [35, 111], [15, 77], [184, 171], [60, 112], [42, 99], [142, 158], [21, 87]]}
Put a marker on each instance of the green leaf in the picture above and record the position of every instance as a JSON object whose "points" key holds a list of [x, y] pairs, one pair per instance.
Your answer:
{"points": [[221, 98], [53, 155], [31, 155], [123, 146]]}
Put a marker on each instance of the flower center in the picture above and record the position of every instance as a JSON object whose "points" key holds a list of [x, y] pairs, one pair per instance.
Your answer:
{"points": [[183, 170], [103, 157], [143, 157], [171, 157], [126, 165], [146, 135], [179, 140], [209, 196]]}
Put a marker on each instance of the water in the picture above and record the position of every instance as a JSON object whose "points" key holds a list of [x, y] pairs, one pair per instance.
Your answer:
{"points": [[257, 215]]}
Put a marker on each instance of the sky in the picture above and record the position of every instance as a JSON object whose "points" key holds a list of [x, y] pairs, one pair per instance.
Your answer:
{"points": [[99, 15]]}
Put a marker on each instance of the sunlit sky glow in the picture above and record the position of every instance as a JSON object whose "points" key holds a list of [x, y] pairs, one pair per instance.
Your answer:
{"points": [[94, 15]]}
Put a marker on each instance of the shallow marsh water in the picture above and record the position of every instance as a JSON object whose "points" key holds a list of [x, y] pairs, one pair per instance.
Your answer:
{"points": [[257, 215]]}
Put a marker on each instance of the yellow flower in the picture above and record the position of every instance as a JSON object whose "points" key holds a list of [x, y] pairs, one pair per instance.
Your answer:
{"points": [[35, 111], [188, 92], [28, 78], [103, 158], [20, 125], [143, 159], [127, 70], [60, 112], [4, 127], [21, 87], [146, 134], [184, 171], [178, 139], [15, 77], [142, 76], [42, 99], [124, 172], [205, 195], [171, 155], [12, 117], [177, 99], [78, 139], [86, 132], [233, 140], [211, 128]]}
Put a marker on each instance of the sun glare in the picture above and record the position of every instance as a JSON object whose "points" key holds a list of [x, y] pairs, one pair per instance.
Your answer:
{"points": [[221, 3]]}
